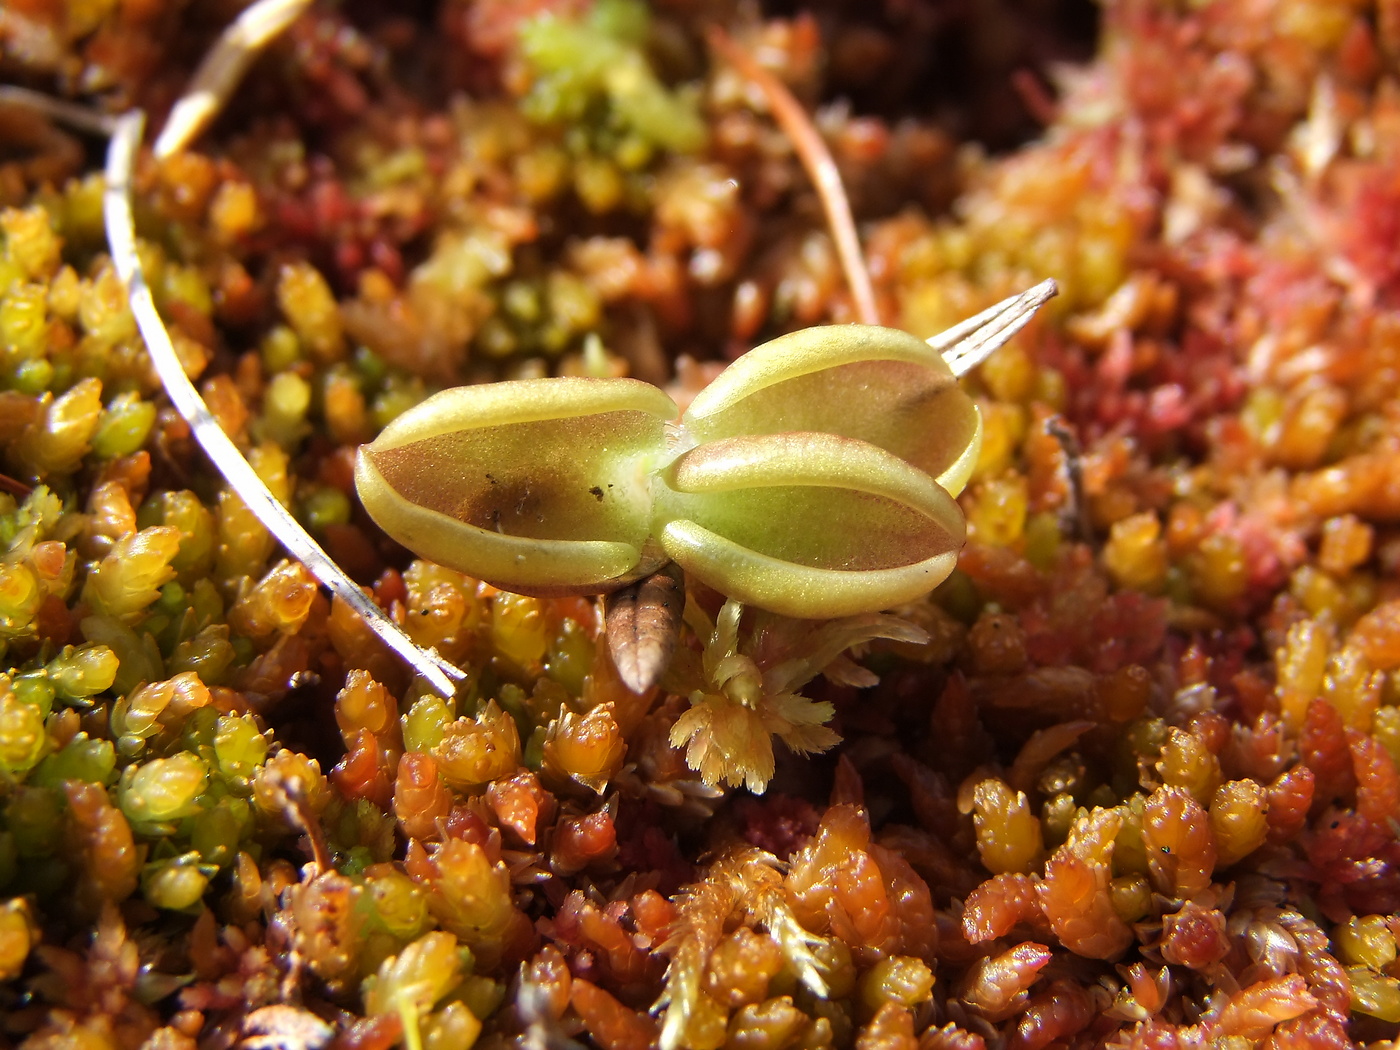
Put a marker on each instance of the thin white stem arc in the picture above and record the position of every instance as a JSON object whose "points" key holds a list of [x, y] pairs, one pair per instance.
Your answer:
{"points": [[121, 238]]}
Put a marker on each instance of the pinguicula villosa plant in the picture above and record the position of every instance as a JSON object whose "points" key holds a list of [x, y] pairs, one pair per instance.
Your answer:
{"points": [[814, 478]]}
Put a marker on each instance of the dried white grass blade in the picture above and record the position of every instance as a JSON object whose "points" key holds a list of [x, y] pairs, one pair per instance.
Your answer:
{"points": [[968, 344], [947, 338], [70, 113], [222, 69], [121, 239]]}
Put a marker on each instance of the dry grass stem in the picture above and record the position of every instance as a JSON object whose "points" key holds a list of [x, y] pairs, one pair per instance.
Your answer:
{"points": [[967, 345], [121, 239], [223, 68], [80, 117], [820, 166]]}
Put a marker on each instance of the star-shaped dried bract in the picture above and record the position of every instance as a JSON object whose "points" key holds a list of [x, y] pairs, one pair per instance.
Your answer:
{"points": [[743, 688]]}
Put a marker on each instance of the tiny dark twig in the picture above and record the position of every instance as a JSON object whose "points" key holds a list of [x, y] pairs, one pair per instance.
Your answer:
{"points": [[1076, 515]]}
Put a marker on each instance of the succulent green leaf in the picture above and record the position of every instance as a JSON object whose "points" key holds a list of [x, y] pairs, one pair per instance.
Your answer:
{"points": [[813, 478], [537, 486], [881, 385], [809, 525]]}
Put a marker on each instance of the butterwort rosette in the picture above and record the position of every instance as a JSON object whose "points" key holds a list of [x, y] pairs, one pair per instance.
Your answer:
{"points": [[814, 478]]}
